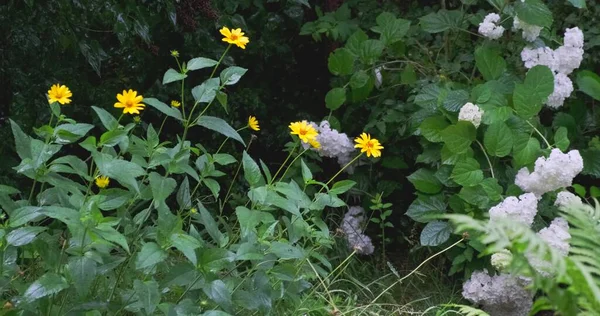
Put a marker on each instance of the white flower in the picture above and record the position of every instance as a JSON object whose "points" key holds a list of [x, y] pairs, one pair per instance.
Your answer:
{"points": [[521, 209], [539, 56], [488, 27], [333, 144], [470, 112], [501, 260], [557, 236], [563, 87], [568, 58], [502, 294], [573, 38], [378, 77], [530, 32], [352, 228], [552, 173], [566, 198]]}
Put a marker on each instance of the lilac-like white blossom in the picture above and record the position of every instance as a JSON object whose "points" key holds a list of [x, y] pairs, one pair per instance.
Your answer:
{"points": [[472, 113], [573, 38], [521, 209], [502, 294], [566, 198], [333, 144], [557, 236], [568, 58], [563, 87], [539, 56], [530, 32], [552, 173], [352, 228], [489, 27]]}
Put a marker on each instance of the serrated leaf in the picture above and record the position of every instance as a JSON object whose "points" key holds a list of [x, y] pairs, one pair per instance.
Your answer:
{"points": [[489, 62], [498, 140], [83, 271], [219, 125], [467, 172], [534, 12], [23, 236], [359, 79], [561, 140], [370, 51], [435, 233], [432, 127], [231, 75], [251, 171], [206, 92], [426, 207], [173, 75], [335, 98], [187, 245], [589, 83], [150, 255], [341, 62], [425, 181], [526, 150], [440, 21], [459, 137]]}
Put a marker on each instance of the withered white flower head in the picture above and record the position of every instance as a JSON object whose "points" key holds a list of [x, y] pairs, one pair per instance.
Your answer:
{"points": [[472, 113], [552, 173], [352, 227]]}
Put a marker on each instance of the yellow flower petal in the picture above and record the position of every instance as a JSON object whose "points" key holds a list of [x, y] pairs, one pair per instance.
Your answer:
{"points": [[130, 102]]}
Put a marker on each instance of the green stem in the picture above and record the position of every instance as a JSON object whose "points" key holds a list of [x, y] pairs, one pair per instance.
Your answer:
{"points": [[291, 164], [32, 190], [283, 164], [237, 171], [339, 172], [539, 133], [219, 62], [162, 125], [486, 157]]}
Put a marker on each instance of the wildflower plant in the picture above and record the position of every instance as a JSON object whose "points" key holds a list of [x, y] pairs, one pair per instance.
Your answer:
{"points": [[140, 224]]}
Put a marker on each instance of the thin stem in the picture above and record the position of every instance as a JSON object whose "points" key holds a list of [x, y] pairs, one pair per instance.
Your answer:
{"points": [[32, 190], [284, 162], [182, 99], [237, 171], [189, 287], [219, 62], [487, 158], [162, 125], [539, 133], [331, 301], [339, 172], [291, 164]]}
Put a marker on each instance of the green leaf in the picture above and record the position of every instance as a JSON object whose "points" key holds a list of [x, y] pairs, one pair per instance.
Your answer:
{"points": [[222, 98], [459, 137], [467, 172], [432, 127], [455, 100], [580, 190], [526, 104], [370, 51], [391, 28], [187, 245], [286, 251], [22, 141], [561, 140], [341, 62], [109, 121], [335, 98], [162, 187], [498, 140], [489, 62], [408, 76], [66, 215], [425, 181], [534, 12], [526, 150], [440, 21], [342, 186], [231, 75], [199, 63], [355, 41], [589, 83], [211, 226], [219, 293], [165, 109], [435, 233], [83, 271], [492, 188], [23, 236], [579, 4], [48, 284], [224, 159], [306, 174], [359, 79], [184, 199], [207, 91], [148, 295], [173, 75], [220, 126], [213, 186], [150, 255], [123, 171], [540, 81], [251, 171], [591, 162], [25, 214], [112, 235], [426, 207]]}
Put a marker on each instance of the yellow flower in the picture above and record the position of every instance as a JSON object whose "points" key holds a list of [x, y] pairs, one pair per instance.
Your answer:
{"points": [[313, 142], [369, 145], [175, 103], [60, 94], [234, 36], [130, 102], [175, 53], [253, 123], [193, 210], [102, 182], [305, 131]]}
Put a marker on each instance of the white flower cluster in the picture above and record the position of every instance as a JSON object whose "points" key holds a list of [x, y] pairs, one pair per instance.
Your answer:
{"points": [[552, 173], [333, 143], [489, 28], [557, 236], [521, 209], [352, 228], [562, 61], [472, 113], [566, 198], [530, 32], [502, 294]]}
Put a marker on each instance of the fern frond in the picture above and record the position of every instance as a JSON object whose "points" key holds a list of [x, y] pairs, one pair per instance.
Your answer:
{"points": [[467, 310]]}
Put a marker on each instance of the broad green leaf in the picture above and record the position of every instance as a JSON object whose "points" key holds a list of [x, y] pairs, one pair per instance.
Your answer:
{"points": [[561, 140], [489, 62], [199, 63], [70, 133], [591, 162], [341, 62], [162, 187], [25, 214], [113, 199], [184, 199], [232, 75], [391, 28], [224, 159], [187, 245], [48, 284], [148, 295], [222, 98], [83, 271], [440, 21], [112, 235], [150, 255], [66, 215], [589, 83], [492, 188], [165, 109], [540, 81], [408, 76], [286, 251], [498, 140], [22, 141], [251, 171], [211, 226], [370, 51], [306, 174], [425, 181], [467, 172], [219, 293], [355, 41], [534, 12], [426, 207], [219, 125], [23, 236], [123, 171], [207, 91], [335, 98], [525, 102], [579, 4], [435, 233], [459, 137], [213, 186], [359, 79], [526, 150], [455, 100], [432, 127], [250, 219], [173, 75], [342, 187]]}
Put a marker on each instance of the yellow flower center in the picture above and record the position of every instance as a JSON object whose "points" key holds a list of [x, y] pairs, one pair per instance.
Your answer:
{"points": [[58, 94], [234, 37], [129, 103]]}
